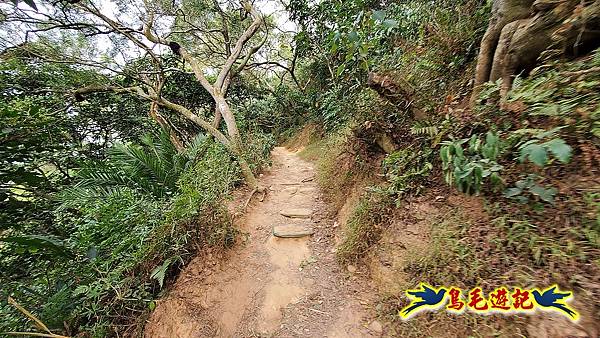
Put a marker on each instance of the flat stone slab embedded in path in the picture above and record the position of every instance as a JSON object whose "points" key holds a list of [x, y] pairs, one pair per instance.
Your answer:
{"points": [[292, 231], [291, 190], [296, 213], [307, 190]]}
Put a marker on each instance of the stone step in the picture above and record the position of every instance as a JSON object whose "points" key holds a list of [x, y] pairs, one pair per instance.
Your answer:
{"points": [[292, 231], [296, 213], [307, 190], [291, 190]]}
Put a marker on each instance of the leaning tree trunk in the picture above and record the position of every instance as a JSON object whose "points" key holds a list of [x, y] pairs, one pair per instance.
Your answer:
{"points": [[397, 91], [503, 13], [520, 32], [235, 139], [217, 89]]}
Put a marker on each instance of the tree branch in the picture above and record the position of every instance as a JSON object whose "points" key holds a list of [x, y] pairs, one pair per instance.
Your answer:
{"points": [[165, 103], [237, 50]]}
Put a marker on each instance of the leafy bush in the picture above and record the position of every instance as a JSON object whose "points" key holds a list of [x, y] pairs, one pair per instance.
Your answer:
{"points": [[405, 170], [257, 150], [543, 143], [151, 168], [128, 224], [468, 168], [204, 183], [107, 241], [530, 186]]}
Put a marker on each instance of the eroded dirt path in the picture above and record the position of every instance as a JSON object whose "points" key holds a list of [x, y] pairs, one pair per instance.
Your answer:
{"points": [[268, 286]]}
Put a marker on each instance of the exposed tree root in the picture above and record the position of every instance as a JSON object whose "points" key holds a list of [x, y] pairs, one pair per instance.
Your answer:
{"points": [[256, 190]]}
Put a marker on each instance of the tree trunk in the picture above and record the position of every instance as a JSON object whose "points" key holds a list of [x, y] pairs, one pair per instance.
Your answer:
{"points": [[397, 91], [166, 126], [227, 114], [503, 13], [502, 49], [561, 27], [249, 177], [217, 120], [234, 137]]}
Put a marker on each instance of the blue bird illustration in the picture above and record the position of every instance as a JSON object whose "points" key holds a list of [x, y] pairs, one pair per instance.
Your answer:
{"points": [[550, 298], [426, 296]]}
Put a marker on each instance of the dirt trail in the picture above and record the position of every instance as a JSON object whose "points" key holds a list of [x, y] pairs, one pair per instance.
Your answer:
{"points": [[268, 286]]}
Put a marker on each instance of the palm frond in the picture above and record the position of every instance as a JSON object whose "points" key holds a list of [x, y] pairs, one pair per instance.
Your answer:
{"points": [[152, 167], [197, 145]]}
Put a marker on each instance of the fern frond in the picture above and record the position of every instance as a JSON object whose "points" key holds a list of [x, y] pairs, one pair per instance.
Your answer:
{"points": [[430, 131]]}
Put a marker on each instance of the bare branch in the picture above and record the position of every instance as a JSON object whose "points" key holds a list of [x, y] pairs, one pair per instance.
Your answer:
{"points": [[237, 50], [182, 51]]}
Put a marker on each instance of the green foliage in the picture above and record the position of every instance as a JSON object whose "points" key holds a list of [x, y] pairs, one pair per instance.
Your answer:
{"points": [[340, 107], [159, 273], [405, 170], [529, 185], [353, 38], [468, 168], [435, 44], [35, 243], [431, 131], [355, 43], [205, 182], [563, 92], [434, 131], [45, 134], [118, 248], [152, 168], [349, 34], [537, 151], [106, 241], [276, 113], [257, 150], [117, 235]]}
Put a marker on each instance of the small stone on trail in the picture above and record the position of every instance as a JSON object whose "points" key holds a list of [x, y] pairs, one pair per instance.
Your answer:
{"points": [[296, 213], [351, 268], [376, 326], [291, 231]]}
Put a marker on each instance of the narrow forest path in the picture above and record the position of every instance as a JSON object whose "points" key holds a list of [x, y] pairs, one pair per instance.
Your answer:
{"points": [[268, 286]]}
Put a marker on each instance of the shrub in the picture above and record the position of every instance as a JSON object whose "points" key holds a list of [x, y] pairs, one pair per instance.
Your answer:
{"points": [[204, 185], [405, 170], [257, 149], [468, 168], [119, 239]]}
